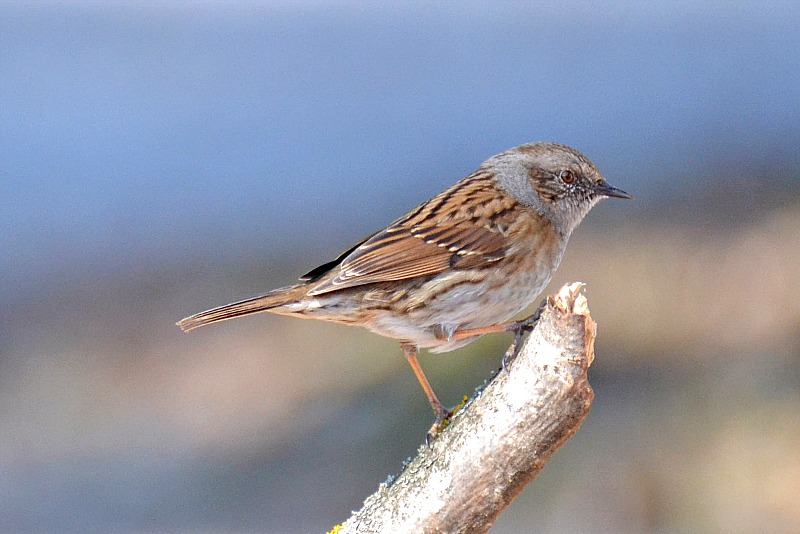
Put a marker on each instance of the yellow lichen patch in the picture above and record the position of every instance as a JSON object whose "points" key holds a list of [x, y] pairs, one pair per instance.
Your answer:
{"points": [[335, 529], [454, 411], [461, 404]]}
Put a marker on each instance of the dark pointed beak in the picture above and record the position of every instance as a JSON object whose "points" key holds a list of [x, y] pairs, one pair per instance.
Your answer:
{"points": [[607, 190]]}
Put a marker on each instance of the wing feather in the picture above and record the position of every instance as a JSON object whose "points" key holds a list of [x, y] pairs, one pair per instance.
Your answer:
{"points": [[468, 220]]}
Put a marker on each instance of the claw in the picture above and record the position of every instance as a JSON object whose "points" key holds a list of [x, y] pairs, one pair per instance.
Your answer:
{"points": [[442, 418], [520, 328]]}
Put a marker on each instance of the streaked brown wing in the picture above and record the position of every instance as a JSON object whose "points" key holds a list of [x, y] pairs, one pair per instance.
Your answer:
{"points": [[464, 226]]}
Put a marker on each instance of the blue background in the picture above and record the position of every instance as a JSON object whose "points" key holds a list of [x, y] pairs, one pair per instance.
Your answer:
{"points": [[159, 158]]}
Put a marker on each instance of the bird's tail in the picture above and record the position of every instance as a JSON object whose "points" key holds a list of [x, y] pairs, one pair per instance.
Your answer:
{"points": [[262, 303]]}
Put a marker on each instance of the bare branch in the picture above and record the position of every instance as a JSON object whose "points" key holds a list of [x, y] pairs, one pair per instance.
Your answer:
{"points": [[501, 440]]}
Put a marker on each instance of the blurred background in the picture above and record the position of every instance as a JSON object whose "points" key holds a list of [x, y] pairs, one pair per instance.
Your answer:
{"points": [[160, 158]]}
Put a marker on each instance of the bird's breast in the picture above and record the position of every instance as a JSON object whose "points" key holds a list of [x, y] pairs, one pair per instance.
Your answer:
{"points": [[475, 297]]}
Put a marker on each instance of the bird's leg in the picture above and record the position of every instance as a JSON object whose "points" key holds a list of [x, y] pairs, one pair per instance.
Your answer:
{"points": [[441, 413], [520, 328]]}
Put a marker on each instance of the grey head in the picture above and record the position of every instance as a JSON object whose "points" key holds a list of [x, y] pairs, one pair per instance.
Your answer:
{"points": [[555, 180]]}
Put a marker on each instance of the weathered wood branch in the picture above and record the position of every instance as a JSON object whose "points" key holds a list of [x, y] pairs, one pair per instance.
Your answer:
{"points": [[501, 439]]}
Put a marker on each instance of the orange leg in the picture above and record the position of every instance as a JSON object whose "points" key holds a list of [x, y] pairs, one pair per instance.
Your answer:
{"points": [[441, 413], [512, 326], [479, 331], [518, 327]]}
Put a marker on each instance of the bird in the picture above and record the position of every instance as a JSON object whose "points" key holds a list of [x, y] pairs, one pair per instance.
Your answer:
{"points": [[454, 268]]}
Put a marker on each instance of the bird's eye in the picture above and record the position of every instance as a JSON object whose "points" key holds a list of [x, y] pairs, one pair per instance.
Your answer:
{"points": [[567, 177]]}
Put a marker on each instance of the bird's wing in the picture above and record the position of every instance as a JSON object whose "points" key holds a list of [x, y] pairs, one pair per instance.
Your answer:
{"points": [[464, 226]]}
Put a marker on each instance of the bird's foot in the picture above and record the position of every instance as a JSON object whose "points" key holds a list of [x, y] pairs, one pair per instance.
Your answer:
{"points": [[520, 328], [439, 423], [443, 419]]}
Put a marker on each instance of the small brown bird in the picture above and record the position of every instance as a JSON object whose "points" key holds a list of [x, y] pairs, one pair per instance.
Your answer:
{"points": [[458, 266]]}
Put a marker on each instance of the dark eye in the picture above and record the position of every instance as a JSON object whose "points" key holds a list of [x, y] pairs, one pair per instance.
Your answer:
{"points": [[567, 176]]}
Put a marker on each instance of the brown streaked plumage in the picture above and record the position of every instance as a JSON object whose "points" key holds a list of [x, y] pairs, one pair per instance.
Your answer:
{"points": [[457, 266]]}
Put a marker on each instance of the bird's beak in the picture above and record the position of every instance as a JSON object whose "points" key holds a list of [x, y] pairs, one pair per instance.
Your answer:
{"points": [[607, 190]]}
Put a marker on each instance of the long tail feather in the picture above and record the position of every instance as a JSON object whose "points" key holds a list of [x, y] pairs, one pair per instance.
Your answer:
{"points": [[258, 304]]}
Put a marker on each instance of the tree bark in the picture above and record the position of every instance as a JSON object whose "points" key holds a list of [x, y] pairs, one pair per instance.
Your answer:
{"points": [[501, 439]]}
